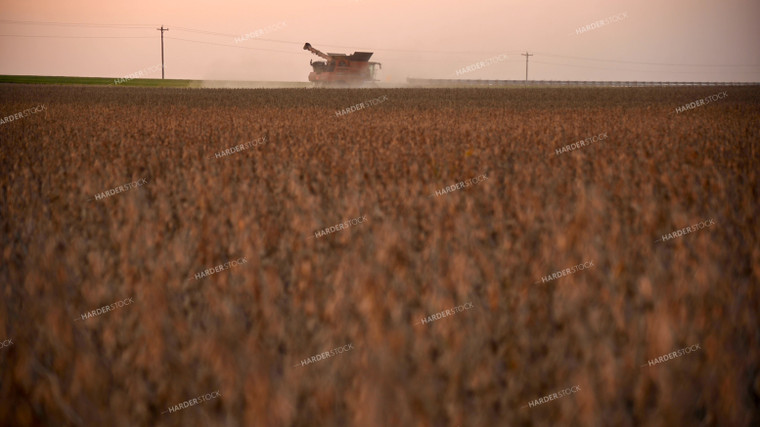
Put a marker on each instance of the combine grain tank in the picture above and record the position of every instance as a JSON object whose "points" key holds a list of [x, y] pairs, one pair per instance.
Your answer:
{"points": [[339, 69]]}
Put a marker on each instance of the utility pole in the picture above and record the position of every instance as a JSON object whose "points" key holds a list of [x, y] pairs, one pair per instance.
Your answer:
{"points": [[162, 29], [526, 55]]}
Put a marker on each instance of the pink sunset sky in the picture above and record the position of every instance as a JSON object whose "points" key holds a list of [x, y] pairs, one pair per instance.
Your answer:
{"points": [[671, 40]]}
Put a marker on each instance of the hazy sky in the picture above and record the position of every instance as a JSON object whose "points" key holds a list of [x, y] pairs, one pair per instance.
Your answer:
{"points": [[676, 40]]}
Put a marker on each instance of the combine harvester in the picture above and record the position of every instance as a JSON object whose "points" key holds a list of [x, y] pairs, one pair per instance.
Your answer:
{"points": [[340, 70]]}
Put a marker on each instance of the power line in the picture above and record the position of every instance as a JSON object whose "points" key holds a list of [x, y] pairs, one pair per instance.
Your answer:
{"points": [[264, 39], [649, 63], [196, 30], [193, 30], [618, 69], [74, 24], [236, 47], [297, 52], [200, 31], [77, 37]]}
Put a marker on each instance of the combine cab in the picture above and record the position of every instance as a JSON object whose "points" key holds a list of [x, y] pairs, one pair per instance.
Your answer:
{"points": [[339, 69]]}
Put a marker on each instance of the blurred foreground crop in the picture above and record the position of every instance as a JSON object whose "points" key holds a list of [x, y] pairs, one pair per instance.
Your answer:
{"points": [[244, 330]]}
